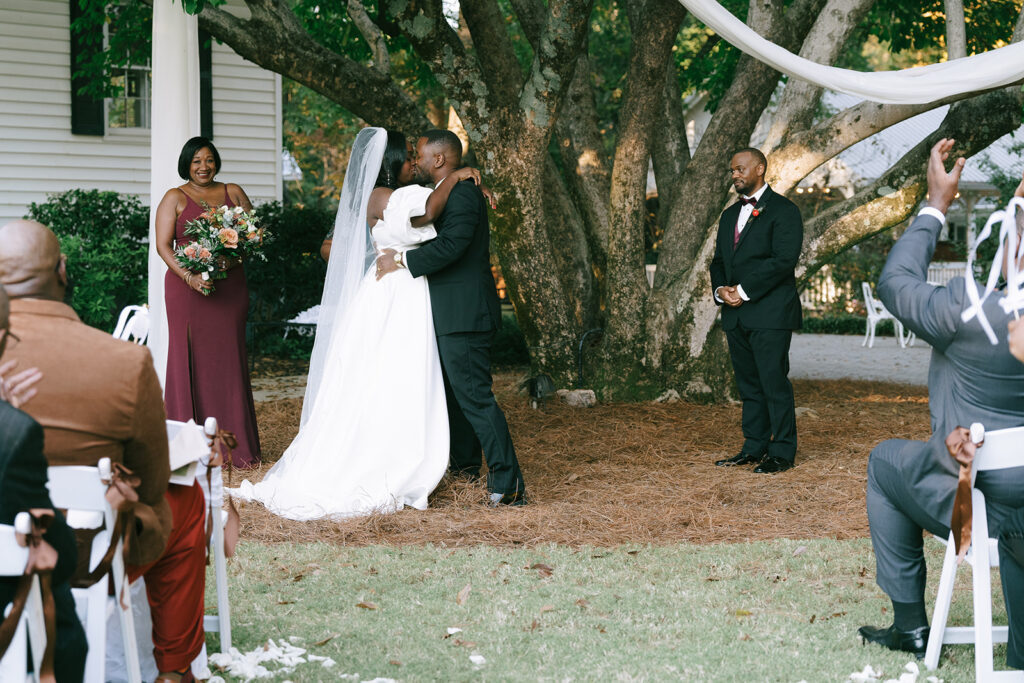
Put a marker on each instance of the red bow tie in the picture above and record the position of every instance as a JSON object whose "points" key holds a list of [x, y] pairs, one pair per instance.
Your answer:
{"points": [[752, 201]]}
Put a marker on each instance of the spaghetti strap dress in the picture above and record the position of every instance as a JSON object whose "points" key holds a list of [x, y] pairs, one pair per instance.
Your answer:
{"points": [[207, 365]]}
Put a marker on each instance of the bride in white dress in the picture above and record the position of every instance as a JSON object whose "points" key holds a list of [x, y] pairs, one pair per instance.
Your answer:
{"points": [[374, 431]]}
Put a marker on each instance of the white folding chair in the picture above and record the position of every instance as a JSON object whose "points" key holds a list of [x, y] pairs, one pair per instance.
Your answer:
{"points": [[31, 629], [877, 312], [133, 324], [1002, 449], [82, 492]]}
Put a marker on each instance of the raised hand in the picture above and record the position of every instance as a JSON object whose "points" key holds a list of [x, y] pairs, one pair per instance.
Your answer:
{"points": [[942, 186], [18, 389]]}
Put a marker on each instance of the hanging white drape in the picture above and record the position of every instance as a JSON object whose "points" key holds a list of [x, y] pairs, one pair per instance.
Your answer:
{"points": [[175, 119], [919, 85]]}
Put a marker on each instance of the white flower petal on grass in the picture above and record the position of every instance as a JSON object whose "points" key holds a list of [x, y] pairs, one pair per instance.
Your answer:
{"points": [[453, 630], [866, 675], [477, 659]]}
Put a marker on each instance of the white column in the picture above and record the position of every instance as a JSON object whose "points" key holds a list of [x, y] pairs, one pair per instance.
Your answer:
{"points": [[175, 119]]}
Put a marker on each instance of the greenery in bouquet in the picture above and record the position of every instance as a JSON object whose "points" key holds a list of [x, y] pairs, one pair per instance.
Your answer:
{"points": [[200, 256]]}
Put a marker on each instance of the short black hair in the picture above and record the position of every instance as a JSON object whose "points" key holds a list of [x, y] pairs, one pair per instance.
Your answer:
{"points": [[395, 154], [189, 150], [757, 154], [447, 139]]}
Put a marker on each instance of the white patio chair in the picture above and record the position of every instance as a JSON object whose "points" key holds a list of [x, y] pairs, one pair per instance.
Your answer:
{"points": [[31, 629], [82, 492], [877, 312], [1002, 449], [133, 324]]}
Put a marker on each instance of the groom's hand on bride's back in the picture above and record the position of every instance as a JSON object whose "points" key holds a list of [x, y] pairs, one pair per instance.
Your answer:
{"points": [[386, 263]]}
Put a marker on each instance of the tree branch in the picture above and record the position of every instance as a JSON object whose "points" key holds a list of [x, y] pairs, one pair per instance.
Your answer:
{"points": [[553, 64], [493, 47], [974, 124], [274, 39], [372, 34], [824, 43], [670, 151], [956, 30], [459, 73]]}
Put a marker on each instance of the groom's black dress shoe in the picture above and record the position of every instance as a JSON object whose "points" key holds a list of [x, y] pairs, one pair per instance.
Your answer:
{"points": [[772, 464], [740, 458], [915, 642], [496, 499]]}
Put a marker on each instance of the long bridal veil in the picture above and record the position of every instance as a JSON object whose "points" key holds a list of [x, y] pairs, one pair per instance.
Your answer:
{"points": [[351, 251]]}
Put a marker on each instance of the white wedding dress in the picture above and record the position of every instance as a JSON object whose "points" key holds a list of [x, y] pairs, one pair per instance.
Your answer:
{"points": [[377, 436]]}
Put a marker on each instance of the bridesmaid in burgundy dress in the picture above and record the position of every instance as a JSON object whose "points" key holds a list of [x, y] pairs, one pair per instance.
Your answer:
{"points": [[207, 368]]}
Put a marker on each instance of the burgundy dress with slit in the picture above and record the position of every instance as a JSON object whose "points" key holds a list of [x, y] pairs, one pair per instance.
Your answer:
{"points": [[207, 366]]}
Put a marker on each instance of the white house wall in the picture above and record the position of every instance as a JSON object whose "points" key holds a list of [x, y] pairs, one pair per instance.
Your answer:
{"points": [[39, 155]]}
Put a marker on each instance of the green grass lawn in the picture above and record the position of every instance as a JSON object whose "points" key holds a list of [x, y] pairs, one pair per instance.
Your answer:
{"points": [[770, 611]]}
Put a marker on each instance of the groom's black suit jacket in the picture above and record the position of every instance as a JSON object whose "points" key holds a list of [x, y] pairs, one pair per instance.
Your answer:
{"points": [[458, 261], [762, 262]]}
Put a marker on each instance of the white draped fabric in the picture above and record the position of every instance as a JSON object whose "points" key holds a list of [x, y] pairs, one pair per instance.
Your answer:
{"points": [[175, 120], [919, 85]]}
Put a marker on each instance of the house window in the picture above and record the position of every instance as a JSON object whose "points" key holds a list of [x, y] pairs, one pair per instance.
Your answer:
{"points": [[131, 107], [131, 103]]}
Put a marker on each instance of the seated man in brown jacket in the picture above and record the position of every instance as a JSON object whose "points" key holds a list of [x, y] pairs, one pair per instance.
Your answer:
{"points": [[100, 397]]}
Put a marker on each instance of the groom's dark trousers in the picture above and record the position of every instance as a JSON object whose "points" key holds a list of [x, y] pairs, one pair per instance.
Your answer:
{"points": [[466, 314]]}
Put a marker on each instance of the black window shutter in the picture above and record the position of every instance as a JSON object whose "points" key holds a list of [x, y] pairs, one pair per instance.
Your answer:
{"points": [[86, 110], [205, 85]]}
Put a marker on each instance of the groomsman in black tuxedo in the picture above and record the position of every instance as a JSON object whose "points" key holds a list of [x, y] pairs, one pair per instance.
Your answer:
{"points": [[759, 240], [466, 314]]}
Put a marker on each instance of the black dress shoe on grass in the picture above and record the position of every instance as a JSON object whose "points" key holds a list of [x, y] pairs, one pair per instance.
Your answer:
{"points": [[914, 642], [772, 464], [740, 458]]}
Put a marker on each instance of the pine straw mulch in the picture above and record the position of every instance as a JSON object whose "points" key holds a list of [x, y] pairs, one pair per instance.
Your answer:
{"points": [[636, 474]]}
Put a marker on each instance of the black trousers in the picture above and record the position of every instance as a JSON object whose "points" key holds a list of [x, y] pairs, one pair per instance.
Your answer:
{"points": [[475, 421], [1011, 572], [760, 359]]}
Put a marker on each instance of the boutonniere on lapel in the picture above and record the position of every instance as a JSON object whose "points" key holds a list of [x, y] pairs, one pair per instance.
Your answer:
{"points": [[758, 210]]}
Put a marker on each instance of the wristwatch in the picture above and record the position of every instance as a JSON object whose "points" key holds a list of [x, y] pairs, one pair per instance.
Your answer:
{"points": [[398, 259]]}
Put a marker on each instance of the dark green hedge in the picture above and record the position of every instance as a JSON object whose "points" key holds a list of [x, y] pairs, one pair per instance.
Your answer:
{"points": [[104, 236], [844, 323]]}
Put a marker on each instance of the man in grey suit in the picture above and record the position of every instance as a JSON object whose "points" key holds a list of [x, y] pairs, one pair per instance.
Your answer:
{"points": [[912, 484]]}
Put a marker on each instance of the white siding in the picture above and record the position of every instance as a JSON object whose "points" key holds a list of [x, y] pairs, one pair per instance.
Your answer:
{"points": [[39, 155]]}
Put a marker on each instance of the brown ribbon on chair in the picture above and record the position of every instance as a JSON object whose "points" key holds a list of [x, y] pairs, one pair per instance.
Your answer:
{"points": [[962, 514], [222, 441], [41, 520], [960, 447], [125, 481]]}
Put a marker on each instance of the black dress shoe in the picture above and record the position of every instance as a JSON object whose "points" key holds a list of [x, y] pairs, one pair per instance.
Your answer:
{"points": [[496, 499], [772, 464], [740, 458], [915, 642]]}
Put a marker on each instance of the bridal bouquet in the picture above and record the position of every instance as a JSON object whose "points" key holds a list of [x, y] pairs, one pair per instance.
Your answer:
{"points": [[223, 232]]}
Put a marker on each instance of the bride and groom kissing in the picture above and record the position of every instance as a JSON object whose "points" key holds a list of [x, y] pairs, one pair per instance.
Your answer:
{"points": [[399, 386]]}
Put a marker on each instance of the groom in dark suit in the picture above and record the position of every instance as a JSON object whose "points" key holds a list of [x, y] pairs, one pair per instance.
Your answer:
{"points": [[466, 314], [759, 239]]}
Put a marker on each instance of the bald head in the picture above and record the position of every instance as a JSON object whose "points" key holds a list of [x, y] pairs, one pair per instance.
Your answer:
{"points": [[31, 265]]}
